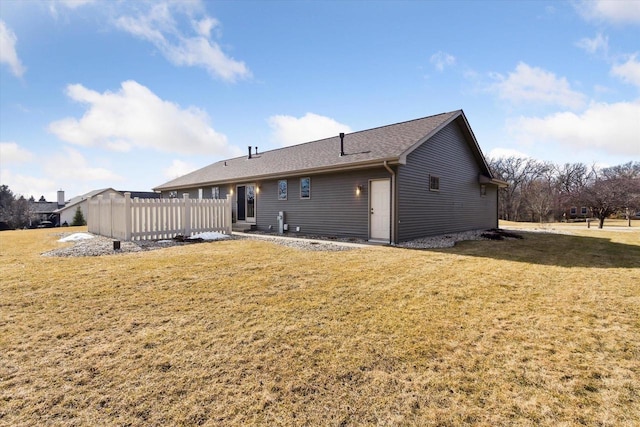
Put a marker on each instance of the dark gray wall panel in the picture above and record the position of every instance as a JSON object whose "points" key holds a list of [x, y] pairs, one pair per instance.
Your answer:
{"points": [[334, 208], [458, 206]]}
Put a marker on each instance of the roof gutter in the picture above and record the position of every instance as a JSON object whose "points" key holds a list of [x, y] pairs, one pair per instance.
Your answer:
{"points": [[392, 217], [482, 179]]}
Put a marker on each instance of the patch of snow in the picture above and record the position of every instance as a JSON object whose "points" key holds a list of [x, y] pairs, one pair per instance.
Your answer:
{"points": [[76, 237], [211, 235]]}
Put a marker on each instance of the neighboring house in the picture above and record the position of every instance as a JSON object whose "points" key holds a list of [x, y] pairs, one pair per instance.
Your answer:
{"points": [[389, 184], [578, 213], [43, 211], [68, 212]]}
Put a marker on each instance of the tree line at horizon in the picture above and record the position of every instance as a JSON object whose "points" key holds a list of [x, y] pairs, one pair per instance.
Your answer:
{"points": [[541, 191]]}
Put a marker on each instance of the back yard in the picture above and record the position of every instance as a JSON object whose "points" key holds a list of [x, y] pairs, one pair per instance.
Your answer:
{"points": [[539, 331]]}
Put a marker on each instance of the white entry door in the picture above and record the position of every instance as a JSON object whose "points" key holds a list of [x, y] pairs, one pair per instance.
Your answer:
{"points": [[380, 210]]}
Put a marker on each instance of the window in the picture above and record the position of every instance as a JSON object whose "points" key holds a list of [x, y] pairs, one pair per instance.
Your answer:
{"points": [[583, 210], [173, 194], [251, 201], [573, 211], [434, 183], [305, 188], [215, 192], [200, 193], [282, 189]]}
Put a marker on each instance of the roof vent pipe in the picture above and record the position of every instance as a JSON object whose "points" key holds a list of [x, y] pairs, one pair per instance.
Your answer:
{"points": [[249, 151], [341, 144], [256, 150]]}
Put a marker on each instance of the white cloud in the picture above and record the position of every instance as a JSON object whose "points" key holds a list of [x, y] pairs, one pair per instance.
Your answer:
{"points": [[74, 4], [28, 186], [629, 72], [609, 128], [12, 153], [8, 54], [614, 11], [72, 165], [178, 168], [442, 59], [505, 153], [67, 4], [599, 43], [532, 84], [289, 130], [205, 25], [160, 28], [135, 117]]}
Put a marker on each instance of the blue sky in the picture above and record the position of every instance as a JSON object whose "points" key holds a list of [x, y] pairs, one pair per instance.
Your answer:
{"points": [[131, 94]]}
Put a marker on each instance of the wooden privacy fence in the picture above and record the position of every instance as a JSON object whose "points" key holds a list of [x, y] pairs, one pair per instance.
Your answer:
{"points": [[150, 219]]}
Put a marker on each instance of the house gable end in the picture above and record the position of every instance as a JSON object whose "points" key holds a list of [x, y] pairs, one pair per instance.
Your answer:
{"points": [[470, 138], [459, 203]]}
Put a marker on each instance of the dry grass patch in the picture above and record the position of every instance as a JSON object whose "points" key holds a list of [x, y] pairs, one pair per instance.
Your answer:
{"points": [[540, 331]]}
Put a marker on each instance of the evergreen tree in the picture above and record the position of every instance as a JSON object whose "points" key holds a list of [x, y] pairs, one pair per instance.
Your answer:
{"points": [[78, 218]]}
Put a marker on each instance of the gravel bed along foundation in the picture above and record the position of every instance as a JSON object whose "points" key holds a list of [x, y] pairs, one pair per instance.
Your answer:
{"points": [[99, 245]]}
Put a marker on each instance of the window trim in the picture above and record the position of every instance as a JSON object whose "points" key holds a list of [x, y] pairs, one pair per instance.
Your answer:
{"points": [[215, 193]]}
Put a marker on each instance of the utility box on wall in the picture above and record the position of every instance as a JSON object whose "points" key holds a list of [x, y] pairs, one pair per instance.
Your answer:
{"points": [[281, 225]]}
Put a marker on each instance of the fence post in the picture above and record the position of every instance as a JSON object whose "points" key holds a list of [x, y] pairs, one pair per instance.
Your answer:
{"points": [[186, 225], [228, 213], [127, 216], [112, 198], [99, 216]]}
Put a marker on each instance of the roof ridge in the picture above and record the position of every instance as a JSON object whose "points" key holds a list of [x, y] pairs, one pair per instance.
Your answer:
{"points": [[389, 141], [350, 133]]}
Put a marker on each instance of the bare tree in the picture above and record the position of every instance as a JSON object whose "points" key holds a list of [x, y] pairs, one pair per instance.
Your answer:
{"points": [[612, 190], [571, 178], [540, 198], [519, 173]]}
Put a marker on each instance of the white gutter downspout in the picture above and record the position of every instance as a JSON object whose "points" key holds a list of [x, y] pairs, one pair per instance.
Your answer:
{"points": [[393, 203]]}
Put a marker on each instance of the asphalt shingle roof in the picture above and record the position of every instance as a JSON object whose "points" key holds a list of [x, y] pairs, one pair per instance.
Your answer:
{"points": [[368, 146]]}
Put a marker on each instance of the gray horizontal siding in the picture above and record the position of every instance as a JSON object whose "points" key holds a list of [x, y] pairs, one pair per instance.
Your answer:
{"points": [[458, 206], [334, 208]]}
